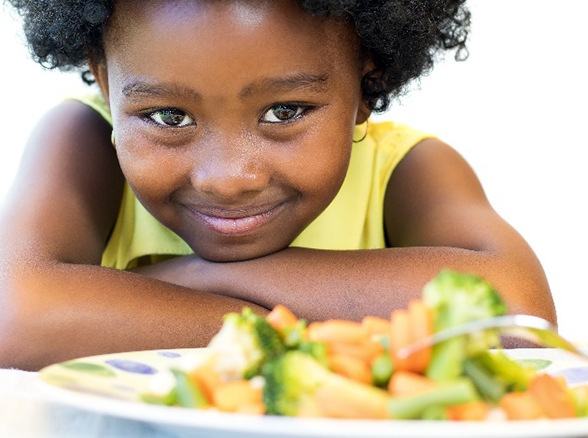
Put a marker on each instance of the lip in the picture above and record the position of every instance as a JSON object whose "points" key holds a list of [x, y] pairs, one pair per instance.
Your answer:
{"points": [[239, 221]]}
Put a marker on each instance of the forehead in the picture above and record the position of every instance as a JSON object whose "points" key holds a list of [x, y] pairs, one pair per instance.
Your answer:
{"points": [[196, 26]]}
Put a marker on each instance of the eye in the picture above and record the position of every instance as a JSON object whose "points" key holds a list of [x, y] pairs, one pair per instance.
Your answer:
{"points": [[283, 113], [171, 117]]}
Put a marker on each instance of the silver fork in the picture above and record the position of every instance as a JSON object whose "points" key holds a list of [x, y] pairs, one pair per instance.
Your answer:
{"points": [[531, 328]]}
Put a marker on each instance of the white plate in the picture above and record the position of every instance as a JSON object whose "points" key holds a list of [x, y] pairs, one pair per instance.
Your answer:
{"points": [[110, 384]]}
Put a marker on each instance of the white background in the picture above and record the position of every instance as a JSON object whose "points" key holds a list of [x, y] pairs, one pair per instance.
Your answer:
{"points": [[516, 109]]}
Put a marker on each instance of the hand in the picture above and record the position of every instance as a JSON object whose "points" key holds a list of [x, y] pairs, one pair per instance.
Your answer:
{"points": [[181, 271]]}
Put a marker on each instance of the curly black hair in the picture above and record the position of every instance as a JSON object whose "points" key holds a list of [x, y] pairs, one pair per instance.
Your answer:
{"points": [[404, 37]]}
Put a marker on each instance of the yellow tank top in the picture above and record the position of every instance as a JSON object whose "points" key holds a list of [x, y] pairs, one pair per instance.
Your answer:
{"points": [[353, 220]]}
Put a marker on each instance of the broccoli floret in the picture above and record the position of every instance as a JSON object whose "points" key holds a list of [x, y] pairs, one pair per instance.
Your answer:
{"points": [[244, 342], [318, 350], [296, 384], [457, 298], [291, 381], [293, 336]]}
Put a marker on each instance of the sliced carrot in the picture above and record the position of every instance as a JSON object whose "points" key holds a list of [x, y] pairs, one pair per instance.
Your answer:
{"points": [[206, 377], [472, 411], [349, 399], [553, 396], [376, 326], [520, 406], [421, 325], [366, 351], [400, 337], [337, 330], [406, 327], [408, 383], [351, 367], [237, 396], [281, 317]]}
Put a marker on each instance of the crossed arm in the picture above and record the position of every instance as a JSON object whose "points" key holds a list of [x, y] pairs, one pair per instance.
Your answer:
{"points": [[58, 303]]}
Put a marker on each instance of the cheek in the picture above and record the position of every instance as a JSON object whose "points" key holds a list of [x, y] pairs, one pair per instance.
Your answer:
{"points": [[326, 166], [147, 168], [323, 162], [152, 175]]}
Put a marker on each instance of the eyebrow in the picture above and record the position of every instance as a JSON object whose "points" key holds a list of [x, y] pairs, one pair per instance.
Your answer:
{"points": [[140, 88], [303, 81]]}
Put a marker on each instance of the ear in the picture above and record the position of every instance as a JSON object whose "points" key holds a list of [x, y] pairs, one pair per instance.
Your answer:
{"points": [[100, 73], [364, 111]]}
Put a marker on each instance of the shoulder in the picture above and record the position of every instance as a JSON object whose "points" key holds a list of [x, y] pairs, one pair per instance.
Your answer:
{"points": [[95, 101], [433, 181], [84, 114], [75, 139], [434, 160]]}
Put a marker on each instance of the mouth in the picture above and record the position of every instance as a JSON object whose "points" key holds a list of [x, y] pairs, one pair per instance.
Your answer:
{"points": [[239, 221]]}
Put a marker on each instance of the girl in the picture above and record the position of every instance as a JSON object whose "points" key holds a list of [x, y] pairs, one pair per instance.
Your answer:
{"points": [[228, 161]]}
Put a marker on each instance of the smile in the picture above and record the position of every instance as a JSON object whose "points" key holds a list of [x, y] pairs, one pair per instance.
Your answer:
{"points": [[236, 222]]}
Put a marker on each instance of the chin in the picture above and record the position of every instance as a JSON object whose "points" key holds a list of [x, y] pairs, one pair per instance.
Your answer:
{"points": [[236, 253]]}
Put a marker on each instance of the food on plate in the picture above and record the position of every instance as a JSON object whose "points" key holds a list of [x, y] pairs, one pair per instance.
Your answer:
{"points": [[280, 365]]}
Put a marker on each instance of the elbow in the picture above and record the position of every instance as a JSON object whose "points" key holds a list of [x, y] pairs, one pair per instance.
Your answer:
{"points": [[21, 341], [12, 339], [526, 290], [21, 344]]}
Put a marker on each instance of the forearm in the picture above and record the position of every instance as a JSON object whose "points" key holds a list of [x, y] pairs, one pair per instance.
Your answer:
{"points": [[58, 312], [350, 284]]}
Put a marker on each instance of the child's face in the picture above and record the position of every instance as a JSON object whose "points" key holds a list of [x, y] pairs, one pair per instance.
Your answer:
{"points": [[233, 119]]}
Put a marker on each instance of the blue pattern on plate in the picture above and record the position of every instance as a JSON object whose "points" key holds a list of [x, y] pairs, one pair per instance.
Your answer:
{"points": [[131, 366], [170, 354], [574, 376]]}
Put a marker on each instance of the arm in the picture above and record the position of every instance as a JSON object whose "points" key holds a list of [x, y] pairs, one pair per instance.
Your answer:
{"points": [[56, 302], [437, 216]]}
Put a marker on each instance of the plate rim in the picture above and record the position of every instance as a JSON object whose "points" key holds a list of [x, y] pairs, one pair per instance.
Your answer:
{"points": [[234, 424]]}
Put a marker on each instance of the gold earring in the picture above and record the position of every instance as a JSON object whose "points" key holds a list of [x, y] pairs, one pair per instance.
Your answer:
{"points": [[367, 126], [112, 139]]}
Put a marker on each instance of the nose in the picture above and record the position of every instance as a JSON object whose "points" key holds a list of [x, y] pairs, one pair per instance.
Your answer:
{"points": [[228, 167]]}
